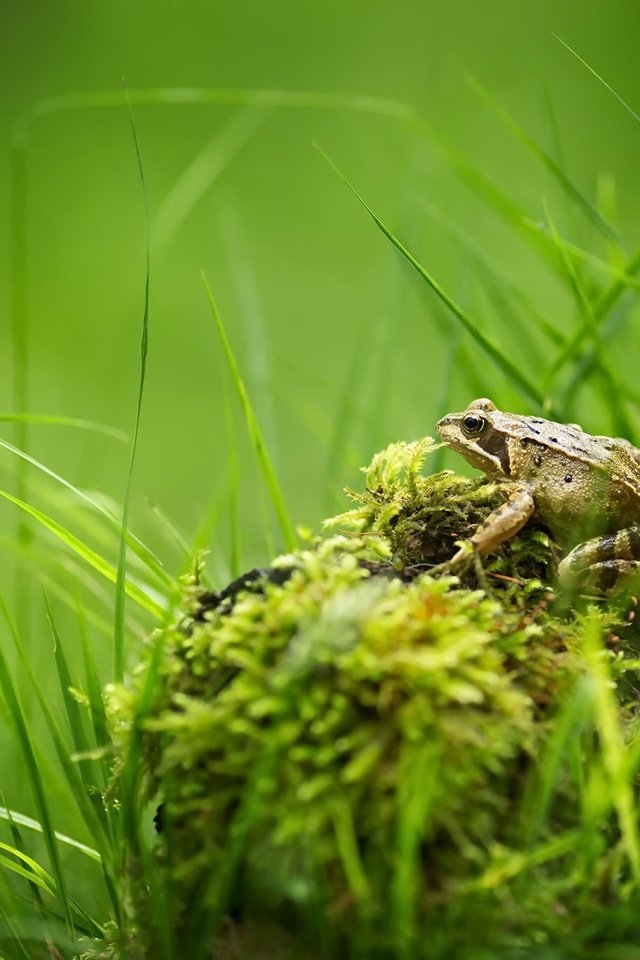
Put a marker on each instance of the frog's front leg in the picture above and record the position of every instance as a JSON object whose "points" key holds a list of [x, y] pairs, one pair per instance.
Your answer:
{"points": [[502, 524], [599, 564]]}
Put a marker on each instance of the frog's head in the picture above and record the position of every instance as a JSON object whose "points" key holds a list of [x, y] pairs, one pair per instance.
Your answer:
{"points": [[480, 436]]}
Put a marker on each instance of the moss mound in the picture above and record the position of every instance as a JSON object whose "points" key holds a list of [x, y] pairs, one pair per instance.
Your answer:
{"points": [[360, 759]]}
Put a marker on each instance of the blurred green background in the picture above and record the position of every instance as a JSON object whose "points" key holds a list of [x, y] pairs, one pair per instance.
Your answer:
{"points": [[342, 347]]}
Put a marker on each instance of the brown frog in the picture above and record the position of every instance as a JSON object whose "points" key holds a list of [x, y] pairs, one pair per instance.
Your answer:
{"points": [[585, 489]]}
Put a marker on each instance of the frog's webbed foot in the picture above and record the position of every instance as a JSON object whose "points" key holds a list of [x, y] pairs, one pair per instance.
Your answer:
{"points": [[600, 564]]}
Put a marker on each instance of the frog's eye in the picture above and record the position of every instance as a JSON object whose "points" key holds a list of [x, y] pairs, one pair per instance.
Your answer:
{"points": [[473, 425]]}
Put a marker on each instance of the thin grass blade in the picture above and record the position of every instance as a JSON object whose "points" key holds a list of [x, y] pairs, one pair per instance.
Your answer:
{"points": [[498, 275], [30, 824], [35, 891], [589, 328], [615, 755], [589, 209], [212, 96], [121, 571], [59, 421], [19, 722], [420, 771], [599, 77], [234, 483], [171, 532], [515, 377], [8, 915], [89, 769], [147, 557], [98, 715], [71, 705], [271, 481], [28, 868], [574, 716], [95, 823], [87, 554]]}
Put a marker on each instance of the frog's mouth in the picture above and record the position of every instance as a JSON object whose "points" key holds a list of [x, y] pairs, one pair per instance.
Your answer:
{"points": [[488, 452]]}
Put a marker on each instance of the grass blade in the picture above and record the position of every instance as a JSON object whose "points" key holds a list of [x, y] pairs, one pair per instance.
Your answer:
{"points": [[573, 716], [134, 845], [578, 253], [7, 913], [213, 96], [37, 900], [599, 77], [205, 168], [498, 276], [603, 306], [89, 769], [589, 210], [28, 868], [234, 478], [19, 327], [87, 554], [142, 552], [121, 572], [104, 624], [510, 864], [56, 420], [271, 481], [168, 528], [204, 531], [613, 749], [92, 681], [71, 705], [30, 824], [95, 822], [504, 364], [589, 328], [418, 789], [18, 719]]}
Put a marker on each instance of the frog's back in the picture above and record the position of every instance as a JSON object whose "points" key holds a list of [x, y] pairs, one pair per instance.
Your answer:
{"points": [[586, 485]]}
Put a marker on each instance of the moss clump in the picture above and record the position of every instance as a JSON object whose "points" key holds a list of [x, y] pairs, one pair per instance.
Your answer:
{"points": [[418, 519], [364, 760]]}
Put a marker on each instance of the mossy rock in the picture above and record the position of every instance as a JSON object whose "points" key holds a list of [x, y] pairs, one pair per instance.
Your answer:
{"points": [[365, 760]]}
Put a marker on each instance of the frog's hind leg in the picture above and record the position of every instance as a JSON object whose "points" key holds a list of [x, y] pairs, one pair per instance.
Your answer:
{"points": [[599, 564]]}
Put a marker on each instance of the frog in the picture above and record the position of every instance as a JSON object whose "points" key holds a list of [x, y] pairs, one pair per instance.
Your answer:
{"points": [[585, 490]]}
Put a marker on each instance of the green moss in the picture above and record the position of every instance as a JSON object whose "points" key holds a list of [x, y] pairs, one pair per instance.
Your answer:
{"points": [[365, 760]]}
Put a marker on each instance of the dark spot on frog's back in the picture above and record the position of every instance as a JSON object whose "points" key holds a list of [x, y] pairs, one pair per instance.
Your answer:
{"points": [[530, 442]]}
